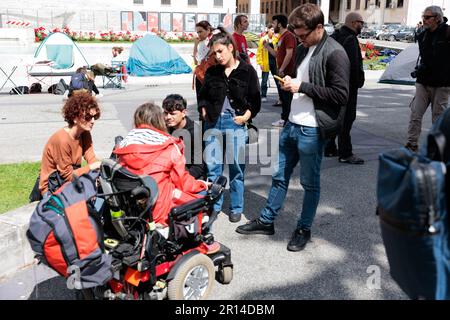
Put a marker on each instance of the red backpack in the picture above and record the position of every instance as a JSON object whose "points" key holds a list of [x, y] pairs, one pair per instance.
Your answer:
{"points": [[65, 235]]}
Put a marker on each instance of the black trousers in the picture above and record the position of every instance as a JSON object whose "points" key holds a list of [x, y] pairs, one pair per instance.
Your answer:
{"points": [[345, 148]]}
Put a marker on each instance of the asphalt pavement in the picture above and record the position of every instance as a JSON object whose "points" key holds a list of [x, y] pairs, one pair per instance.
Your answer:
{"points": [[346, 258]]}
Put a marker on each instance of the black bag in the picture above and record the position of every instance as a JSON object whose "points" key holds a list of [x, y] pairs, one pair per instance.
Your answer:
{"points": [[52, 88], [58, 88], [20, 90], [55, 181], [36, 88]]}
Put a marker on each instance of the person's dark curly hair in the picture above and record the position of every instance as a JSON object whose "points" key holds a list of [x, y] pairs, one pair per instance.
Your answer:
{"points": [[78, 105]]}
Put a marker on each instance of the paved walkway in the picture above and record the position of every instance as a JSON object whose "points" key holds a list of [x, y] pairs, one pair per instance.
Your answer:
{"points": [[346, 236]]}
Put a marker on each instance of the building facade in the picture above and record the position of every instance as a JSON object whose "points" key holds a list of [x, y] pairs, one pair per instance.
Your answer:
{"points": [[406, 12], [132, 15]]}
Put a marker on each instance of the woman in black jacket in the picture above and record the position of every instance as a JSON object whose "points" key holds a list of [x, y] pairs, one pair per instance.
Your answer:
{"points": [[228, 100]]}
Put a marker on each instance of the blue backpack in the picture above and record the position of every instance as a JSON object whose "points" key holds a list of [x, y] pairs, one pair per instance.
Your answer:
{"points": [[412, 206], [78, 81]]}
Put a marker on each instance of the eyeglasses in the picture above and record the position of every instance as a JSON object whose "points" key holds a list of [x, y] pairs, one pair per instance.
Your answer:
{"points": [[424, 17], [360, 21], [88, 117], [304, 36]]}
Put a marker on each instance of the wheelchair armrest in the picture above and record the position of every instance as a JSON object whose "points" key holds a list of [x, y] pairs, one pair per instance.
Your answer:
{"points": [[217, 188], [188, 209]]}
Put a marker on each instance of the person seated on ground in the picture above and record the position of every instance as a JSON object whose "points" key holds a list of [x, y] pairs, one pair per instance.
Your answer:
{"points": [[174, 106], [83, 81], [66, 147], [148, 149], [91, 84]]}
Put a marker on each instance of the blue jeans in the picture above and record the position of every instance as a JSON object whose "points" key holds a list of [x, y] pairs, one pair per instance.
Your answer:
{"points": [[296, 143], [225, 134], [264, 78]]}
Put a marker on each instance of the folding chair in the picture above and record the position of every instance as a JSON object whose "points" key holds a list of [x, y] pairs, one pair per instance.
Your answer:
{"points": [[114, 80], [8, 78]]}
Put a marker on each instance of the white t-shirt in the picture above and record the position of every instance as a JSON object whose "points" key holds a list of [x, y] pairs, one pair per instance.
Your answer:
{"points": [[302, 107]]}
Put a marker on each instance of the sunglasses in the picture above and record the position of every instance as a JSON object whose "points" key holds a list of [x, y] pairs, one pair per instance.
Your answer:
{"points": [[88, 117], [428, 17], [360, 21]]}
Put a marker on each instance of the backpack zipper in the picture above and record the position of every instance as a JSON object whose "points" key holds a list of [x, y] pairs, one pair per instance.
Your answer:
{"points": [[428, 175]]}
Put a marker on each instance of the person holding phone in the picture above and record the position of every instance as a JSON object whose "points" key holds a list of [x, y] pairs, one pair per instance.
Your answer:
{"points": [[316, 114]]}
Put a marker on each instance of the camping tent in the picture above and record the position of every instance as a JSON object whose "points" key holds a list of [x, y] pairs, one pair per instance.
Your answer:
{"points": [[152, 56], [57, 55], [400, 68]]}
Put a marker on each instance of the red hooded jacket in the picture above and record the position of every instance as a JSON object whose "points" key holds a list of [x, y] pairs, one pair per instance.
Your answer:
{"points": [[146, 150]]}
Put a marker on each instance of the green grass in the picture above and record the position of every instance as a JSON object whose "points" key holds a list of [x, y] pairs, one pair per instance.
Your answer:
{"points": [[374, 63], [16, 182]]}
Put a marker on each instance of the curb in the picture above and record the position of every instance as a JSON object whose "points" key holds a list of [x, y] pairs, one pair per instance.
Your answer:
{"points": [[15, 251]]}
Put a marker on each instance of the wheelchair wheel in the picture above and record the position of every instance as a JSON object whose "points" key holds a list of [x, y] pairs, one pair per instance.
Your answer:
{"points": [[193, 280], [225, 275]]}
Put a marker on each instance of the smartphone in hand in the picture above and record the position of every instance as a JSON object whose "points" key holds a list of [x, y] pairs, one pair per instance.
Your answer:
{"points": [[279, 79]]}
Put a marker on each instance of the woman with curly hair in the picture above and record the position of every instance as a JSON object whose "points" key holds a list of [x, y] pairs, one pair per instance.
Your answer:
{"points": [[63, 152]]}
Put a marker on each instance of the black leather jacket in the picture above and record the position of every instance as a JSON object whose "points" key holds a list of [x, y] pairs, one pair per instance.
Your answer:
{"points": [[241, 87]]}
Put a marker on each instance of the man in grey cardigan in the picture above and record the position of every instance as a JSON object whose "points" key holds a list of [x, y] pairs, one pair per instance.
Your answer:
{"points": [[320, 91]]}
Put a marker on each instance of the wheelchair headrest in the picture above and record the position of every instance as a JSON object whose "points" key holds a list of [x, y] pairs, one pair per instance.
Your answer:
{"points": [[116, 179]]}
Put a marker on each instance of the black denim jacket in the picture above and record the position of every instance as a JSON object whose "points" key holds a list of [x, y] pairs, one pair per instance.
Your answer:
{"points": [[241, 87]]}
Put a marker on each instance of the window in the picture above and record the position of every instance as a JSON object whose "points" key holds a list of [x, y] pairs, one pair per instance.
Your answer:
{"points": [[126, 20], [388, 3], [177, 22], [192, 2], [138, 1], [399, 3], [267, 7], [165, 2], [140, 21], [165, 21], [349, 4], [218, 3], [153, 21], [358, 4], [377, 3], [189, 22], [276, 6]]}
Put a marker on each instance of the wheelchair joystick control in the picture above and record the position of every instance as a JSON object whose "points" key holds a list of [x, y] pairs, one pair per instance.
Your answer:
{"points": [[116, 219]]}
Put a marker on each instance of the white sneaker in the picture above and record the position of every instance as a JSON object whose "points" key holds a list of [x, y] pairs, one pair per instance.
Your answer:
{"points": [[263, 99], [278, 123]]}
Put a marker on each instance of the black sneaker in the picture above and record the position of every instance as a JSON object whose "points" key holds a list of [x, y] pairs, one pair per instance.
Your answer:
{"points": [[256, 227], [299, 240], [352, 160], [234, 217]]}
